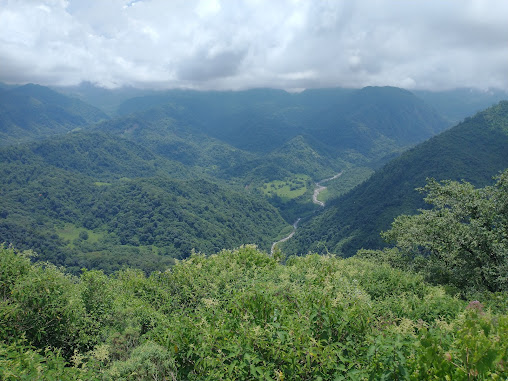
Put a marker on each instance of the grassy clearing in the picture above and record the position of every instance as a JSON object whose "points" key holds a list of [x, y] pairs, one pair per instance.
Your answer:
{"points": [[324, 195], [70, 232], [344, 183], [288, 188]]}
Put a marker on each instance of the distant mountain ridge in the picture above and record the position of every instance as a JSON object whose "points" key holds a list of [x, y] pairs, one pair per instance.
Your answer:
{"points": [[474, 150], [353, 125], [33, 112]]}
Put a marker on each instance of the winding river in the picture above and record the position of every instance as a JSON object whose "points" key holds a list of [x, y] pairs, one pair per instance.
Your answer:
{"points": [[319, 187]]}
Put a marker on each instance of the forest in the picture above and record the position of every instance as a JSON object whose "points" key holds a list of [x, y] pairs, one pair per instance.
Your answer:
{"points": [[135, 240]]}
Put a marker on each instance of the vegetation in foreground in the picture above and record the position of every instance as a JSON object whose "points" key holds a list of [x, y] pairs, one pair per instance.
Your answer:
{"points": [[241, 315]]}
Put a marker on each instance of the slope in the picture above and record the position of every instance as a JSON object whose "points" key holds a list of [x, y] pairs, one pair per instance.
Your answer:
{"points": [[32, 112], [372, 122], [475, 150], [88, 200]]}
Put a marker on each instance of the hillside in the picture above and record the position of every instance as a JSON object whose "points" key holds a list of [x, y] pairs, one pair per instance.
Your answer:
{"points": [[88, 200], [371, 123], [456, 104], [33, 112], [237, 135], [474, 150]]}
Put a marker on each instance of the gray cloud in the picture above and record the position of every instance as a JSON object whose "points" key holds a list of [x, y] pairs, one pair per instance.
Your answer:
{"points": [[207, 64], [233, 44]]}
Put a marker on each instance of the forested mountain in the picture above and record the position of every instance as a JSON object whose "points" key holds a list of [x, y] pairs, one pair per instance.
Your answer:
{"points": [[474, 150], [32, 112], [457, 104], [316, 132], [90, 200], [372, 121]]}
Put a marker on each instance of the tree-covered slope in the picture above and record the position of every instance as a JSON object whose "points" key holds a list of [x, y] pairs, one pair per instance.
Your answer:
{"points": [[475, 151], [88, 200], [371, 122], [166, 133], [32, 112], [99, 155]]}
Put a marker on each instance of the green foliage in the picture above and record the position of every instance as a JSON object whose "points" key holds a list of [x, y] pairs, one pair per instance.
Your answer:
{"points": [[33, 112], [474, 151], [241, 315], [19, 361], [54, 206], [147, 361], [463, 237]]}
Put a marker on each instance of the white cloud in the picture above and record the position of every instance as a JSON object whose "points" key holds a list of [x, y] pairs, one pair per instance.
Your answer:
{"points": [[232, 44]]}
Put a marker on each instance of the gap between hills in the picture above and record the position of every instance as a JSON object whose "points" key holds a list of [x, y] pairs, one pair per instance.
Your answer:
{"points": [[319, 187]]}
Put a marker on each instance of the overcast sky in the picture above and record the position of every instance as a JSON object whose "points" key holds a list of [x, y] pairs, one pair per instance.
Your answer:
{"points": [[238, 44]]}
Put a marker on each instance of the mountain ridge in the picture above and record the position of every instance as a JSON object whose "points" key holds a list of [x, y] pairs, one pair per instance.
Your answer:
{"points": [[474, 150]]}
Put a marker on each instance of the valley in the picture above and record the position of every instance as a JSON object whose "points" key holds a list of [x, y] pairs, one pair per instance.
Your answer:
{"points": [[320, 188], [124, 181], [257, 234]]}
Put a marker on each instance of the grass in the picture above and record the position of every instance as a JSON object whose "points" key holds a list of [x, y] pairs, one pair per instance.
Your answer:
{"points": [[70, 232], [288, 188], [324, 195], [343, 184]]}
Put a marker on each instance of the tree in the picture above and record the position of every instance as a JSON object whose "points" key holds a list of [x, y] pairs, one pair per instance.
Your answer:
{"points": [[463, 238]]}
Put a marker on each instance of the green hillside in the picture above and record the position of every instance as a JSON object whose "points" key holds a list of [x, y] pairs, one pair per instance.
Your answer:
{"points": [[475, 151], [125, 205], [32, 112], [249, 138], [371, 122]]}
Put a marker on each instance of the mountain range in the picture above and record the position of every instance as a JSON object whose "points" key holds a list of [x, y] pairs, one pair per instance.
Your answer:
{"points": [[154, 175]]}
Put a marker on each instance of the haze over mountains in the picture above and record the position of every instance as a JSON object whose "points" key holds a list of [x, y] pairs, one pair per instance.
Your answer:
{"points": [[32, 112], [168, 172]]}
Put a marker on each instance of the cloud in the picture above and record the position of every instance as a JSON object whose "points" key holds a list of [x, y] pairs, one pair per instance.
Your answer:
{"points": [[208, 64], [235, 44]]}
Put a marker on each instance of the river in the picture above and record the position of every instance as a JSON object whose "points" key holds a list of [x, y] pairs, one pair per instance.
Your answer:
{"points": [[319, 187]]}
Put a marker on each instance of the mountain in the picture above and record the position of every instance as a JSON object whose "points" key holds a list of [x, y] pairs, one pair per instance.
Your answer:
{"points": [[367, 125], [263, 119], [107, 100], [91, 200], [474, 150], [254, 137], [457, 104], [33, 112], [171, 137]]}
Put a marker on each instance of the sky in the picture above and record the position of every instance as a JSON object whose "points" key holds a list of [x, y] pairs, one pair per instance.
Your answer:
{"points": [[240, 44]]}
